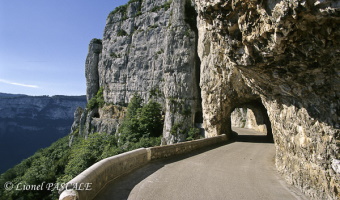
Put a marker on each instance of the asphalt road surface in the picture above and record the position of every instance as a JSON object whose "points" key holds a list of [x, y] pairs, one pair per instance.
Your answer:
{"points": [[243, 169]]}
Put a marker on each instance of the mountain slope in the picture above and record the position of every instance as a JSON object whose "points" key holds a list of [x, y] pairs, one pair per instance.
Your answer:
{"points": [[28, 123]]}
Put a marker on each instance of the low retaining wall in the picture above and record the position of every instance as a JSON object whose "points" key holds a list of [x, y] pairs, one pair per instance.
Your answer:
{"points": [[88, 184], [184, 147], [92, 180]]}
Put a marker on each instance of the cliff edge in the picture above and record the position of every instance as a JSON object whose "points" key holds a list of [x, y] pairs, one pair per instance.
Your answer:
{"points": [[203, 59]]}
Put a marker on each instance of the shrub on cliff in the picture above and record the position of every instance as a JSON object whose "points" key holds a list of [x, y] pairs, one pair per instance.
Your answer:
{"points": [[193, 134], [121, 32], [96, 101], [97, 41], [141, 121]]}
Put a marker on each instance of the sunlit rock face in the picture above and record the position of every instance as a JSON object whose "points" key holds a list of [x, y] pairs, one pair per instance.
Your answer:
{"points": [[148, 48], [91, 68], [284, 54], [279, 58]]}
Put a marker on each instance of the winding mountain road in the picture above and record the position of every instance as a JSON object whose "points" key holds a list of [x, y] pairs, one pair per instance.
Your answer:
{"points": [[243, 169]]}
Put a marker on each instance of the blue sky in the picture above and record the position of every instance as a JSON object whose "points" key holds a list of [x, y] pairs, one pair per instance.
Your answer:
{"points": [[44, 43]]}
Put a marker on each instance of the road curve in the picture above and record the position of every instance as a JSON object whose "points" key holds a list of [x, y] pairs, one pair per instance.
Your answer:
{"points": [[240, 170]]}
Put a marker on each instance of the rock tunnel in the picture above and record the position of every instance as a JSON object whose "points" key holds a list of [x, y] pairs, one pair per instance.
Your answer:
{"points": [[252, 115], [285, 53], [280, 59]]}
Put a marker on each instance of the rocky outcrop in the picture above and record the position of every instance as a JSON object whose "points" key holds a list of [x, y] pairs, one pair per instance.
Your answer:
{"points": [[285, 55], [76, 123], [277, 58], [149, 48], [239, 117], [91, 68], [28, 123]]}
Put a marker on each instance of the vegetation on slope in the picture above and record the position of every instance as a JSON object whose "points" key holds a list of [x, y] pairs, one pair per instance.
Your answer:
{"points": [[96, 101], [141, 121], [59, 163]]}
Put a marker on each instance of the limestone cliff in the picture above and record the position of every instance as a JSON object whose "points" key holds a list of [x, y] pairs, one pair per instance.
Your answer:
{"points": [[285, 54], [149, 48], [279, 58]]}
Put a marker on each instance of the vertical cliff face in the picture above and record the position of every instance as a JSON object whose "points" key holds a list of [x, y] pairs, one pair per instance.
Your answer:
{"points": [[279, 58], [149, 48], [91, 68], [284, 54]]}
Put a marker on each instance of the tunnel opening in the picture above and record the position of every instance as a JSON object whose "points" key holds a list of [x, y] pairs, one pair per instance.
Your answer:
{"points": [[250, 122]]}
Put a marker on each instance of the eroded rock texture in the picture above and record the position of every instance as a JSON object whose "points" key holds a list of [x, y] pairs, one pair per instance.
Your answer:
{"points": [[284, 54], [279, 58], [246, 118], [149, 48], [91, 68]]}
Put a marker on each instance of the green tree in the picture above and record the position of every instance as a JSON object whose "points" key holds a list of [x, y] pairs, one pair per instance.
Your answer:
{"points": [[134, 104], [193, 134], [150, 119], [129, 128], [46, 165], [88, 151], [141, 121]]}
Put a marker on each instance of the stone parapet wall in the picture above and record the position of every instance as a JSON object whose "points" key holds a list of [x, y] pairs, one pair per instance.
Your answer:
{"points": [[91, 181], [184, 147], [102, 172]]}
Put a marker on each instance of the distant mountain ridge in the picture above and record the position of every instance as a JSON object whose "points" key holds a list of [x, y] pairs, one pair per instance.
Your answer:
{"points": [[11, 95], [28, 123]]}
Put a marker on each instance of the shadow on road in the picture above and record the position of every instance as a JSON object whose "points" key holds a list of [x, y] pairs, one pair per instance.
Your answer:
{"points": [[251, 136], [254, 139], [121, 187]]}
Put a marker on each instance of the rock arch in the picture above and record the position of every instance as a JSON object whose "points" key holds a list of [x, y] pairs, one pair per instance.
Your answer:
{"points": [[252, 115], [288, 55]]}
